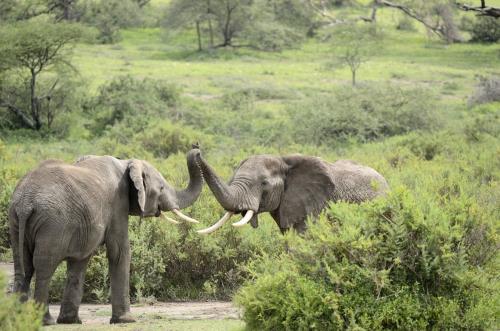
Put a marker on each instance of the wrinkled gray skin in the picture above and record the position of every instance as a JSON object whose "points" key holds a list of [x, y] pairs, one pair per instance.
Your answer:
{"points": [[292, 187], [65, 211]]}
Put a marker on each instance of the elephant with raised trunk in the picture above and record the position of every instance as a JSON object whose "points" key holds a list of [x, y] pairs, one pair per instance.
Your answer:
{"points": [[63, 211], [290, 188]]}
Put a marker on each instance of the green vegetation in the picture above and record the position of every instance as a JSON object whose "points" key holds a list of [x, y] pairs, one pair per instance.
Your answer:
{"points": [[15, 315], [424, 113]]}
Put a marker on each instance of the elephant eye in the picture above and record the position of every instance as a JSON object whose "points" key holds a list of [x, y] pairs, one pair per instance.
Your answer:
{"points": [[265, 182], [162, 187]]}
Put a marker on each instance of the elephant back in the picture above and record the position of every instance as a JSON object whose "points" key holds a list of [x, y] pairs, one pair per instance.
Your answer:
{"points": [[356, 183]]}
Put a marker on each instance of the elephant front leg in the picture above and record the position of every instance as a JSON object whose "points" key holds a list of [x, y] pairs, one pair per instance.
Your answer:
{"points": [[119, 267], [73, 292]]}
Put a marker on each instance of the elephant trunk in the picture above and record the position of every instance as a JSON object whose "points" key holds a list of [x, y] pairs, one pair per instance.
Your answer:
{"points": [[224, 193], [189, 195]]}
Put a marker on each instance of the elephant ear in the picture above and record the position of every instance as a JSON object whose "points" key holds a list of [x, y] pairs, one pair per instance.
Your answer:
{"points": [[308, 188], [136, 174]]}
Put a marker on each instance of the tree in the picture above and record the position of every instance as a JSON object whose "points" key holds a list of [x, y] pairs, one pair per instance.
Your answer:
{"points": [[436, 16], [30, 48], [256, 22], [353, 45]]}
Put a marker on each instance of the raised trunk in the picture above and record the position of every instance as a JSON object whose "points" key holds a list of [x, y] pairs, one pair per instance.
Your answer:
{"points": [[224, 194], [189, 195]]}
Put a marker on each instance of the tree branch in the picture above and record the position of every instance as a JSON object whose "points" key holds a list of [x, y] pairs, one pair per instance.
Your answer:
{"points": [[26, 120], [482, 10], [408, 11]]}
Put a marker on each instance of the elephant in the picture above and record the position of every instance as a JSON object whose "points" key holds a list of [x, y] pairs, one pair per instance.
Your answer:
{"points": [[290, 188], [62, 211]]}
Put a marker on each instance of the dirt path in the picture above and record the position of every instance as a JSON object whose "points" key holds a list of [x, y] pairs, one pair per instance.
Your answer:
{"points": [[100, 314]]}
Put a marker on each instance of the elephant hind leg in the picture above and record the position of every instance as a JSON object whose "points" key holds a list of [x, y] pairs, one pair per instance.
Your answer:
{"points": [[44, 269], [73, 292]]}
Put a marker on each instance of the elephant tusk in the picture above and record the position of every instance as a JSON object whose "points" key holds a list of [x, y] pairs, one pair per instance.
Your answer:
{"points": [[184, 217], [246, 219], [217, 225], [171, 220]]}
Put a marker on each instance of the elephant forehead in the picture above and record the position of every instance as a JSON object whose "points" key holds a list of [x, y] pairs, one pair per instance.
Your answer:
{"points": [[264, 162]]}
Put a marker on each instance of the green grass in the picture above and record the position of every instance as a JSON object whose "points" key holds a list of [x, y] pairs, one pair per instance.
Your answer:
{"points": [[159, 324]]}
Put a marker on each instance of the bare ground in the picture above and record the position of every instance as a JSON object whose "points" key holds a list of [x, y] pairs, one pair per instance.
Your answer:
{"points": [[100, 314]]}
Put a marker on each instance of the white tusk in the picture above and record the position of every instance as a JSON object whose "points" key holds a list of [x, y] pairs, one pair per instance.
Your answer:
{"points": [[184, 217], [217, 225], [168, 219], [245, 220]]}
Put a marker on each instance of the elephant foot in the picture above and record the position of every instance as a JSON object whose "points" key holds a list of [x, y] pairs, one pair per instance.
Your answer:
{"points": [[125, 318], [48, 320], [69, 320]]}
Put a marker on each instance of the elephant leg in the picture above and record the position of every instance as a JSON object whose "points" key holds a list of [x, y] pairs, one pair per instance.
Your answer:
{"points": [[73, 292], [119, 267], [44, 269]]}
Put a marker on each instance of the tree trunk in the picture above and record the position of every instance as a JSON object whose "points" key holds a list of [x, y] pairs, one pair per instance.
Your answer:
{"points": [[198, 33], [189, 195], [353, 71], [211, 33], [35, 114]]}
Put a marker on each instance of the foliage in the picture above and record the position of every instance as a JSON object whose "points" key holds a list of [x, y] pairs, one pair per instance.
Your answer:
{"points": [[401, 262], [266, 25], [15, 315], [27, 50], [485, 29], [362, 114], [354, 44], [487, 90], [109, 16], [132, 101]]}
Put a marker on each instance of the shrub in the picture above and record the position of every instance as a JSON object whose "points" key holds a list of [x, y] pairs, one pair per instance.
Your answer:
{"points": [[485, 29], [132, 101], [363, 114], [405, 24], [15, 315], [395, 263], [487, 90]]}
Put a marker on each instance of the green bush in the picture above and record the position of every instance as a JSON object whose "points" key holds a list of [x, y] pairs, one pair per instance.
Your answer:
{"points": [[15, 315], [395, 263], [362, 114], [133, 102], [485, 29]]}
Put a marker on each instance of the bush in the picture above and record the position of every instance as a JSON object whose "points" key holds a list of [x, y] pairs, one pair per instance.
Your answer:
{"points": [[15, 315], [395, 263], [132, 101], [405, 24], [487, 90], [485, 29], [363, 114]]}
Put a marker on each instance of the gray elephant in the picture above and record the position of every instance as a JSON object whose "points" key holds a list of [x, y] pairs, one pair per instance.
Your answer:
{"points": [[290, 188], [65, 211]]}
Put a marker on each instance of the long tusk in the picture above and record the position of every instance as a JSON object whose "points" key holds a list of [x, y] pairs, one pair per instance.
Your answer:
{"points": [[217, 225], [245, 220], [184, 217], [168, 218]]}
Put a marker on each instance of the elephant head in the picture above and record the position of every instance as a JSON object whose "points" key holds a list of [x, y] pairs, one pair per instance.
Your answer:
{"points": [[150, 194], [289, 187]]}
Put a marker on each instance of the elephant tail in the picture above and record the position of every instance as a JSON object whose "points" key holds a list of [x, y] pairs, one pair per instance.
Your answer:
{"points": [[22, 219]]}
